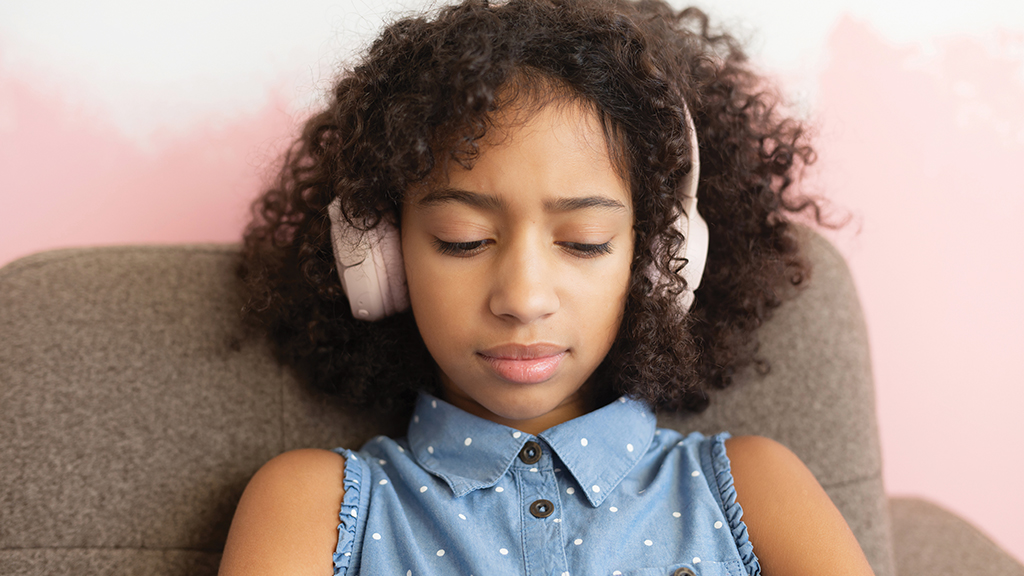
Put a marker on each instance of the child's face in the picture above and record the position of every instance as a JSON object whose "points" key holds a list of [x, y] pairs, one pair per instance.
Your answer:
{"points": [[518, 269]]}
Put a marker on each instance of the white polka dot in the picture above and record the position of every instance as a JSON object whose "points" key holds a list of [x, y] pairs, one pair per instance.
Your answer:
{"points": [[516, 433], [423, 489], [642, 491], [583, 441], [400, 449], [354, 457], [558, 470], [557, 520], [468, 441], [696, 559], [440, 552], [382, 462], [680, 443], [534, 470], [408, 573], [430, 449], [657, 432], [622, 399], [629, 447], [613, 509], [348, 553], [570, 490], [499, 489], [676, 514], [433, 404], [463, 516], [718, 525], [648, 543], [503, 551], [578, 541], [352, 513], [383, 482], [565, 574], [616, 573], [416, 419], [376, 536], [695, 473], [595, 488]]}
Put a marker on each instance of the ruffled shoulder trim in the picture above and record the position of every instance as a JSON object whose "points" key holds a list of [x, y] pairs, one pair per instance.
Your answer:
{"points": [[353, 508], [733, 511]]}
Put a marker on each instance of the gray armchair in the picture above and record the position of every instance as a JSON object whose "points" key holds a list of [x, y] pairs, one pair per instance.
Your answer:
{"points": [[132, 415]]}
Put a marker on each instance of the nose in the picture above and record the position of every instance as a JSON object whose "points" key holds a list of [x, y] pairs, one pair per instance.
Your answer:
{"points": [[524, 283]]}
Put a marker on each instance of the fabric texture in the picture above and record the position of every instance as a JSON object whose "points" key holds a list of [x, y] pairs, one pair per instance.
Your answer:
{"points": [[604, 493], [927, 537]]}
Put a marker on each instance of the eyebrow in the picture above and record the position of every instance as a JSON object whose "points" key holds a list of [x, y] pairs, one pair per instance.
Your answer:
{"points": [[496, 204]]}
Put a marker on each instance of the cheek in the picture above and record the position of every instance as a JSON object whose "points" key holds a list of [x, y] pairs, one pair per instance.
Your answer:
{"points": [[440, 301], [433, 296], [602, 301]]}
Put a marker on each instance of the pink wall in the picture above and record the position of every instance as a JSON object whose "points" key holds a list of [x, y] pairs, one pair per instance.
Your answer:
{"points": [[69, 177], [923, 148], [926, 149]]}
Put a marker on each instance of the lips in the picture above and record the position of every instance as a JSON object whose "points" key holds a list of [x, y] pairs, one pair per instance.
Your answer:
{"points": [[524, 364]]}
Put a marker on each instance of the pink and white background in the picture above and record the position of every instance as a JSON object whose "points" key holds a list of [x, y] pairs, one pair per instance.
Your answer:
{"points": [[131, 122]]}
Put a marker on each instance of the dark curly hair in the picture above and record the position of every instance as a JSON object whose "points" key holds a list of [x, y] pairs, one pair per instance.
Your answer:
{"points": [[425, 93]]}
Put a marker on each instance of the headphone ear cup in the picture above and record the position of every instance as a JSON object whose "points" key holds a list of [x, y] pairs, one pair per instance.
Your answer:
{"points": [[691, 225], [696, 254], [369, 266], [387, 251], [694, 250]]}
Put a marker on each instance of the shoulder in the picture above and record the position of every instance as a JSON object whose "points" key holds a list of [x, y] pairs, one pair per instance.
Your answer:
{"points": [[794, 526], [287, 519], [751, 457]]}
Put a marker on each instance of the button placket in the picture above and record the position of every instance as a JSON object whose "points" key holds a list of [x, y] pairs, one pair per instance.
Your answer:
{"points": [[538, 489]]}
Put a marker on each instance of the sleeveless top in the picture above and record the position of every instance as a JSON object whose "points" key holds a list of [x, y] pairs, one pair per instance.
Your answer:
{"points": [[604, 493]]}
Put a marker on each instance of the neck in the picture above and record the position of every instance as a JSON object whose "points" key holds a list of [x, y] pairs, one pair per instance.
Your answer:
{"points": [[562, 413]]}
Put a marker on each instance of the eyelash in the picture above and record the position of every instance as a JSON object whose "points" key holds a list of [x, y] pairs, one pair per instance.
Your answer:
{"points": [[467, 249]]}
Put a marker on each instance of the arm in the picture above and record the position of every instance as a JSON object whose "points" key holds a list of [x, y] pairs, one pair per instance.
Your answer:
{"points": [[287, 520], [792, 523]]}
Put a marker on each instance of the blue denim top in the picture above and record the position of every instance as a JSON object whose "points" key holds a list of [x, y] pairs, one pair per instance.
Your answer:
{"points": [[608, 494]]}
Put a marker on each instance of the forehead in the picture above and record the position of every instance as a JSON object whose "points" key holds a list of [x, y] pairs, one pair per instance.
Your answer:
{"points": [[561, 145]]}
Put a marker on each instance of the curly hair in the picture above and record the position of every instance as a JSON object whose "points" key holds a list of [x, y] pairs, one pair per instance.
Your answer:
{"points": [[425, 93]]}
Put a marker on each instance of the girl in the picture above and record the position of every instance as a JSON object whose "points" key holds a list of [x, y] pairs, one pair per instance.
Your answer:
{"points": [[494, 226]]}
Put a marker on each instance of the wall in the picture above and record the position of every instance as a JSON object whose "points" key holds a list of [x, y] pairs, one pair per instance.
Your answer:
{"points": [[128, 124]]}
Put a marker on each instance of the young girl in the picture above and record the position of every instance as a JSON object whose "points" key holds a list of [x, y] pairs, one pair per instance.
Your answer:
{"points": [[494, 226]]}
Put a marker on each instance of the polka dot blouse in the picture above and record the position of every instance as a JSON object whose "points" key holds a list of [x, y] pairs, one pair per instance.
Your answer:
{"points": [[605, 493]]}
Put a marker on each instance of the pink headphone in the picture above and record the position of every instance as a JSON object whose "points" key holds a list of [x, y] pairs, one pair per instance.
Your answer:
{"points": [[373, 274]]}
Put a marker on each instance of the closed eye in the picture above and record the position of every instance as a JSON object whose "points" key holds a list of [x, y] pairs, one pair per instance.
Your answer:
{"points": [[466, 249], [459, 249], [587, 250]]}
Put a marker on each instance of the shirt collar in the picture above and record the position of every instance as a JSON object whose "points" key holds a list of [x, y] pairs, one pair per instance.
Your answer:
{"points": [[469, 452]]}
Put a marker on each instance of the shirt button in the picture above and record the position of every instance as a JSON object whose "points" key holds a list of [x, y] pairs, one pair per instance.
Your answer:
{"points": [[542, 508], [530, 454], [683, 572]]}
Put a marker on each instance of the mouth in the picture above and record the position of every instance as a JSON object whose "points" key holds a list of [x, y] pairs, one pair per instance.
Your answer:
{"points": [[524, 364]]}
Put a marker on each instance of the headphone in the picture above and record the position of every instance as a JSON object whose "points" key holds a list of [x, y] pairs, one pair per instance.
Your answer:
{"points": [[373, 275]]}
